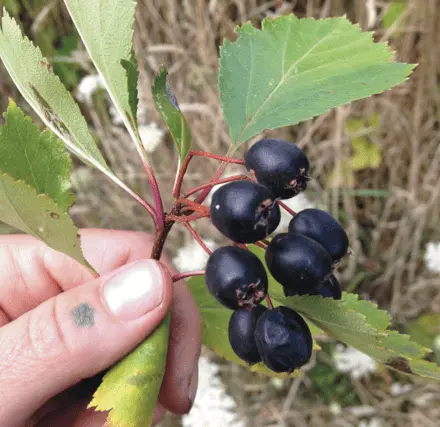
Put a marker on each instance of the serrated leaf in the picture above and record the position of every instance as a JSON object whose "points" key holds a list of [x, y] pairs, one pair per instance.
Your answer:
{"points": [[294, 69], [166, 105], [44, 91], [39, 159], [37, 214], [131, 387], [106, 29], [341, 320], [360, 324]]}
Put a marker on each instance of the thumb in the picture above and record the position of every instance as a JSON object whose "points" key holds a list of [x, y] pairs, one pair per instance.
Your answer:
{"points": [[78, 334]]}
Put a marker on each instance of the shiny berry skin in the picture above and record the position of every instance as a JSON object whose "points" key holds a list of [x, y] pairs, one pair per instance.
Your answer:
{"points": [[236, 277], [300, 264], [283, 339], [321, 226], [244, 211], [279, 165], [241, 333], [330, 288]]}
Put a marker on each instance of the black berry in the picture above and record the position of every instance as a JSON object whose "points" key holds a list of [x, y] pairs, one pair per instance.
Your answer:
{"points": [[280, 165], [300, 264], [241, 333], [330, 288], [321, 226], [283, 339], [236, 277], [244, 211]]}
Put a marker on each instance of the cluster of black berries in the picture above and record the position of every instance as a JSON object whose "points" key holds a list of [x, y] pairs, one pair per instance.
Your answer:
{"points": [[301, 260]]}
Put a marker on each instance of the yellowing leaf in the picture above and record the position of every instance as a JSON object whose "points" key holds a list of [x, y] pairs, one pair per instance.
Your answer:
{"points": [[130, 389]]}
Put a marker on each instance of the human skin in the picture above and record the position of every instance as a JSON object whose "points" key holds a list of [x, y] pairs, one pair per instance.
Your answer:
{"points": [[59, 325]]}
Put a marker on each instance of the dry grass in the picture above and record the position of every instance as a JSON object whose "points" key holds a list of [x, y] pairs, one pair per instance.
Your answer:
{"points": [[387, 234]]}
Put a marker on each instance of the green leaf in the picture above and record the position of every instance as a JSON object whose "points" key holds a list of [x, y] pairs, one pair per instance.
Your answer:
{"points": [[294, 69], [37, 214], [343, 320], [106, 29], [130, 389], [166, 105], [44, 91], [39, 159]]}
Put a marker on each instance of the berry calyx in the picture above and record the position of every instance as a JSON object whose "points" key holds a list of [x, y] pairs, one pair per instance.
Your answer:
{"points": [[244, 211], [320, 226], [279, 165], [236, 277], [300, 264], [283, 339], [241, 333]]}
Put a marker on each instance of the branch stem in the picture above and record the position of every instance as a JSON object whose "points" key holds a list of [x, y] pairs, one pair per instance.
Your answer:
{"points": [[187, 274], [197, 238], [212, 183], [269, 302], [178, 185], [141, 201], [286, 208], [159, 212]]}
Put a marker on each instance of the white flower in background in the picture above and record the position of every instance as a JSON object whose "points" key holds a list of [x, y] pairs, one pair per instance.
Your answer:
{"points": [[88, 86], [397, 389], [432, 257], [350, 361], [335, 408], [192, 256], [362, 411], [151, 135], [297, 204], [213, 406], [374, 422]]}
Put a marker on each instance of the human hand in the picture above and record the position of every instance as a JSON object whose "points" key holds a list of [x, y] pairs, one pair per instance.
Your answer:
{"points": [[60, 325]]}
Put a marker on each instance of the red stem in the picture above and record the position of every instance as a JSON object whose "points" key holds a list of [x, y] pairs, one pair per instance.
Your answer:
{"points": [[181, 276], [260, 245], [197, 238], [286, 208], [241, 245], [184, 168], [203, 210], [269, 302], [141, 201], [202, 196], [159, 211], [184, 219], [211, 183]]}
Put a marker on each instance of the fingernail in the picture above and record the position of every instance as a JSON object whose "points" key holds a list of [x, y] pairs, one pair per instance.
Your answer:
{"points": [[134, 291], [192, 387]]}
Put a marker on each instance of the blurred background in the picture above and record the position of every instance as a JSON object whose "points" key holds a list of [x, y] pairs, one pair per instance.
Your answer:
{"points": [[375, 166]]}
